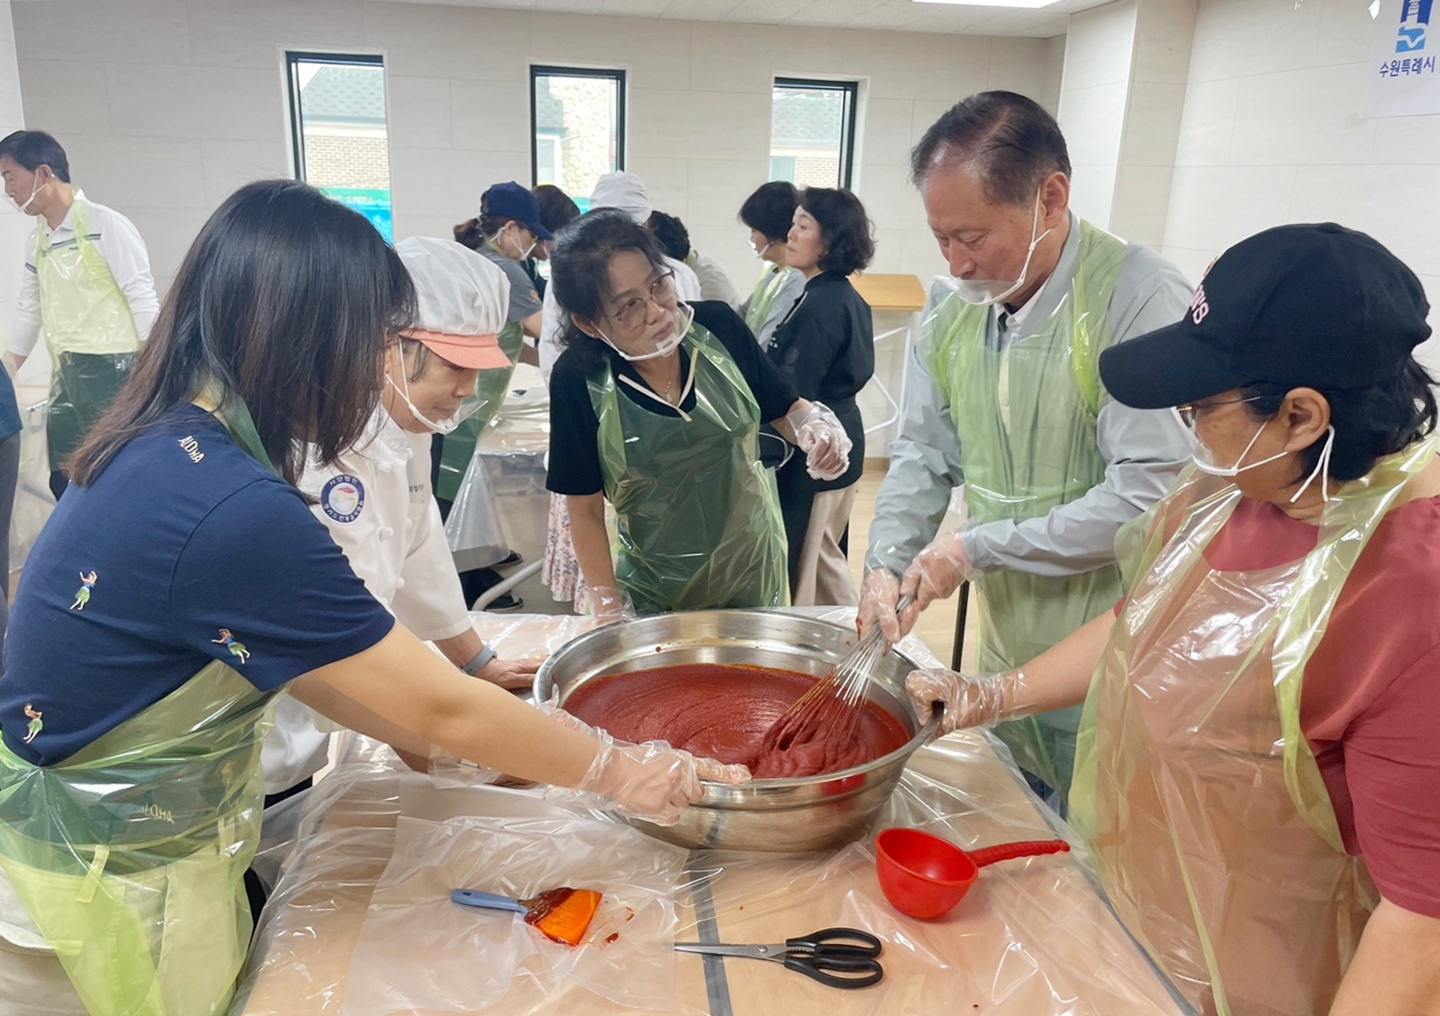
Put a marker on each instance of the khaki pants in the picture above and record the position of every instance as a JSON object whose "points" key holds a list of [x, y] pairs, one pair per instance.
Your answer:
{"points": [[823, 578], [33, 983]]}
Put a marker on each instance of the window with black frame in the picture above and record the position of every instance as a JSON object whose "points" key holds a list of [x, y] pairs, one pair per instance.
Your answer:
{"points": [[339, 138], [812, 132], [577, 117]]}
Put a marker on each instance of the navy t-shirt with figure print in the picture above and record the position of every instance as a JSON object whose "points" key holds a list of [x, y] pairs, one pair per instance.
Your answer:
{"points": [[183, 550]]}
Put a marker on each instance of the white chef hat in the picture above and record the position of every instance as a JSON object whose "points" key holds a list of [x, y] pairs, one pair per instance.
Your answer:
{"points": [[462, 300], [625, 191]]}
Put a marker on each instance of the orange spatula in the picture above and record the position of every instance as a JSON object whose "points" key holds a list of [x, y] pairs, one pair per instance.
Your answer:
{"points": [[560, 914]]}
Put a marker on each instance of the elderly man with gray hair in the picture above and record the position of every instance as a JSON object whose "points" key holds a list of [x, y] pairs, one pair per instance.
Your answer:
{"points": [[1005, 396]]}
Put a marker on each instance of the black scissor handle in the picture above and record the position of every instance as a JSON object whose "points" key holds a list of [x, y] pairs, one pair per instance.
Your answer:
{"points": [[834, 971], [838, 942]]}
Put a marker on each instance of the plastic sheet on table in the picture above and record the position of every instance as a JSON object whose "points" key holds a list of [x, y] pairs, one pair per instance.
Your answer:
{"points": [[528, 636], [1031, 937], [473, 529], [420, 951], [327, 874], [502, 502]]}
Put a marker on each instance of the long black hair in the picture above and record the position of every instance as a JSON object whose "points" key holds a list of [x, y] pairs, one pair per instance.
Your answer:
{"points": [[580, 271], [285, 299]]}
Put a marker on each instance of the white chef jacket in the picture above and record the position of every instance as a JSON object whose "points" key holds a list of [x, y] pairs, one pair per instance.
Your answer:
{"points": [[379, 508]]}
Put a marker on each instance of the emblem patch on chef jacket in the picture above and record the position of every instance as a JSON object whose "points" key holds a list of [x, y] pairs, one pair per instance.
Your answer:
{"points": [[343, 498]]}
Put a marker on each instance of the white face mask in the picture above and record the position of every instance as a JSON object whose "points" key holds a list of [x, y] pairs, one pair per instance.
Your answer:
{"points": [[525, 254], [981, 292], [759, 252], [1204, 460], [684, 318], [31, 199], [467, 408]]}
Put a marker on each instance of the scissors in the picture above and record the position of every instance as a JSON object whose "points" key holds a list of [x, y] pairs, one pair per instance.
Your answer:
{"points": [[837, 957]]}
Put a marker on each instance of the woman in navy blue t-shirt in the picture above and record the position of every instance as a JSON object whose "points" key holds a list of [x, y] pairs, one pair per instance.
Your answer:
{"points": [[182, 583]]}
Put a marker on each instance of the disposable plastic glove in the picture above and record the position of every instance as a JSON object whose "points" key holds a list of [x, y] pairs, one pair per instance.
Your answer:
{"points": [[879, 593], [611, 604], [653, 781], [819, 435], [969, 701], [937, 571]]}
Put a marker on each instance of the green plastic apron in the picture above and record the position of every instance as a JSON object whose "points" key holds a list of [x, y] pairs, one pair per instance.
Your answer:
{"points": [[698, 516], [1195, 787], [1026, 419], [458, 447], [762, 300], [130, 855], [89, 331]]}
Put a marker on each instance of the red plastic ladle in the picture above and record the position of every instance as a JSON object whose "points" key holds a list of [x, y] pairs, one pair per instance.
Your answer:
{"points": [[925, 876]]}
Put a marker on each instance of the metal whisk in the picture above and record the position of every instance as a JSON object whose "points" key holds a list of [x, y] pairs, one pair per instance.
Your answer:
{"points": [[832, 708]]}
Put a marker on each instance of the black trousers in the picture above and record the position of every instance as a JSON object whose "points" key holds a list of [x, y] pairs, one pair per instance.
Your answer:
{"points": [[254, 888]]}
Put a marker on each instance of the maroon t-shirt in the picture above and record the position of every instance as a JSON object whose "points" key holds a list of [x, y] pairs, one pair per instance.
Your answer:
{"points": [[1370, 703]]}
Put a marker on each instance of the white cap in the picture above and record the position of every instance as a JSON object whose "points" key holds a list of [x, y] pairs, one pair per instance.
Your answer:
{"points": [[624, 191], [462, 300]]}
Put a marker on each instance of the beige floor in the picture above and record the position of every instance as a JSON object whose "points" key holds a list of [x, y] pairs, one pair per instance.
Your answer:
{"points": [[936, 626]]}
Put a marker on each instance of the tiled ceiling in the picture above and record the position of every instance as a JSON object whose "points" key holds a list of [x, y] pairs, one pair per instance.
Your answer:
{"points": [[896, 15]]}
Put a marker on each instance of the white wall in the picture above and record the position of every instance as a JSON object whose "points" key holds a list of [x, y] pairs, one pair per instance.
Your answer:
{"points": [[14, 226], [1160, 62], [166, 106], [1094, 93], [1272, 133]]}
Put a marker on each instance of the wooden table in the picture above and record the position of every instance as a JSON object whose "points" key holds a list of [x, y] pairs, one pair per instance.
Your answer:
{"points": [[1031, 937], [890, 292]]}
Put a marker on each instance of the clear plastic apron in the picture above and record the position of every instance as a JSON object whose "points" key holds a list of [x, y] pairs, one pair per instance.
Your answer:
{"points": [[130, 855], [698, 516], [762, 300], [1204, 808], [1026, 417]]}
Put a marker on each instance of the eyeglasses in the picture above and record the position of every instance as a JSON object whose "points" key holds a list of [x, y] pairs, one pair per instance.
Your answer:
{"points": [[1188, 412], [631, 313]]}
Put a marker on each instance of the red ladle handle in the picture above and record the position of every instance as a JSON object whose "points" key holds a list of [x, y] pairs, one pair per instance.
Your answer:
{"points": [[1010, 851]]}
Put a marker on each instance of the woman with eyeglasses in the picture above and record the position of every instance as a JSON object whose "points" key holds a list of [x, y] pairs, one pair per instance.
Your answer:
{"points": [[655, 406], [183, 584]]}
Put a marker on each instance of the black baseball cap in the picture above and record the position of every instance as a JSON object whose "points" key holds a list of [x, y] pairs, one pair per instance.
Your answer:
{"points": [[1310, 305], [511, 201]]}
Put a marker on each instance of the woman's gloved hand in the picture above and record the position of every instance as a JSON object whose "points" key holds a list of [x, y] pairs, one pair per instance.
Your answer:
{"points": [[879, 595], [820, 436], [609, 604], [653, 781], [937, 571], [969, 701]]}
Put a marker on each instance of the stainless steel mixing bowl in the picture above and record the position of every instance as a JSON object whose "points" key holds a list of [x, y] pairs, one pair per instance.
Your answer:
{"points": [[810, 813]]}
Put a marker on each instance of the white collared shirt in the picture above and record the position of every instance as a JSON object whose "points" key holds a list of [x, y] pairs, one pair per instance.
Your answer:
{"points": [[119, 243]]}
